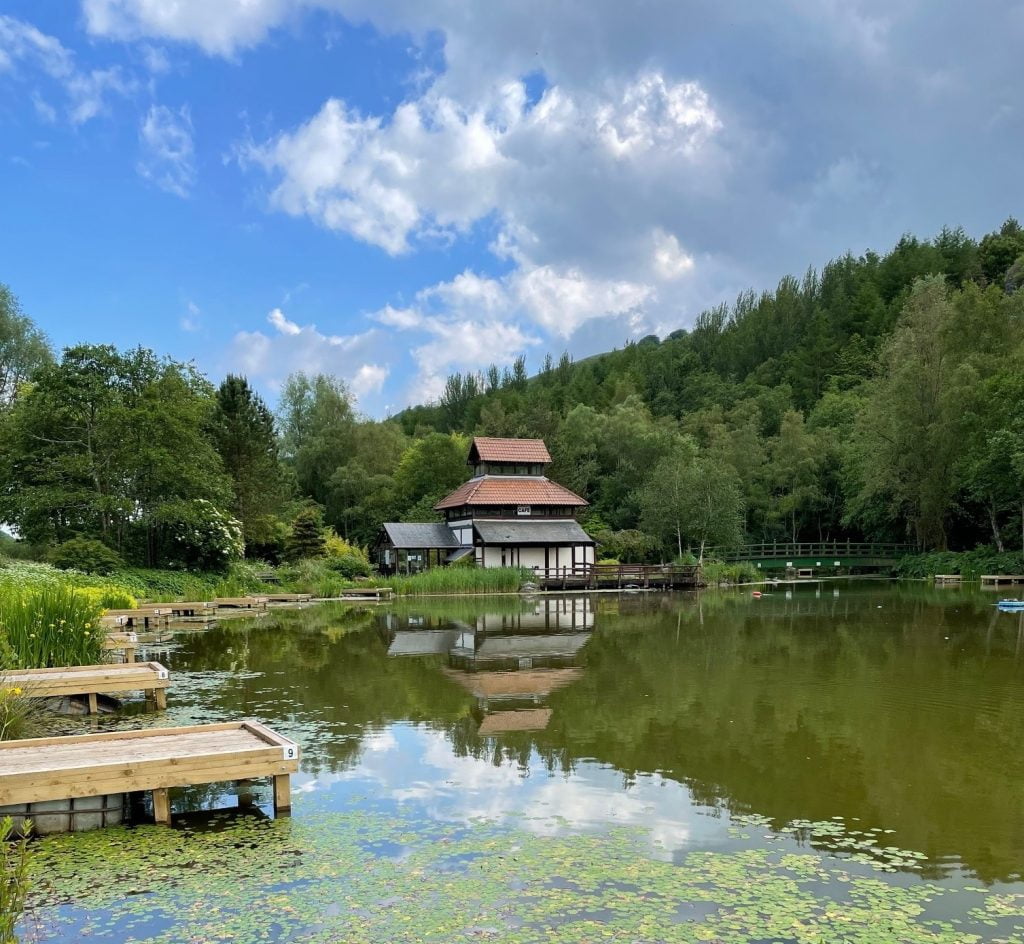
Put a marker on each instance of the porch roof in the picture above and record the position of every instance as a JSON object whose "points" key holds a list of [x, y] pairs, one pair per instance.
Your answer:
{"points": [[420, 536], [531, 532]]}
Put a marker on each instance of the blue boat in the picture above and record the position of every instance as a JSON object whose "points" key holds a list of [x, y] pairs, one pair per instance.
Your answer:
{"points": [[1011, 606]]}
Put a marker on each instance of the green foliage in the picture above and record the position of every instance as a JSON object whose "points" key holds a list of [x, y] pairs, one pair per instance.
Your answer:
{"points": [[717, 573], [23, 347], [85, 554], [53, 626], [244, 436], [21, 716], [103, 444], [198, 534], [14, 879], [969, 564], [307, 537]]}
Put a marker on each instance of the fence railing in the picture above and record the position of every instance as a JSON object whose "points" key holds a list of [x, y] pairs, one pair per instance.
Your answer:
{"points": [[804, 550]]}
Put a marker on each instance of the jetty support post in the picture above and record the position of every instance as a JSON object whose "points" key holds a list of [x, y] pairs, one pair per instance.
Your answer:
{"points": [[161, 806], [282, 794]]}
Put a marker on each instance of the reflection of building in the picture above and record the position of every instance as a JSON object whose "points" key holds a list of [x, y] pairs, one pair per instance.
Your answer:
{"points": [[510, 663], [509, 514]]}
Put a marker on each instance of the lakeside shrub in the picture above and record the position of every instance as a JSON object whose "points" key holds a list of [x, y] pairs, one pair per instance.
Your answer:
{"points": [[969, 564], [717, 572], [14, 863], [85, 554], [51, 626]]}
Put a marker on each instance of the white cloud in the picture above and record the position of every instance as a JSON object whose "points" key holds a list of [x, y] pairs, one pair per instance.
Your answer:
{"points": [[218, 28], [269, 358], [190, 321], [278, 320], [168, 152], [23, 46]]}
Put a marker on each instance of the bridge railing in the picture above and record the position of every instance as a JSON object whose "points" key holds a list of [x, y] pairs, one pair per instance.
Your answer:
{"points": [[820, 549]]}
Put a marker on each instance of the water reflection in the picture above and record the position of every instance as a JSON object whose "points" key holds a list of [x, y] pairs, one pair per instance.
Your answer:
{"points": [[896, 707]]}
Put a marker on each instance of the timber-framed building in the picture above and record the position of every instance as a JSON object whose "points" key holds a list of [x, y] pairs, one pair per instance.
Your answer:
{"points": [[508, 514]]}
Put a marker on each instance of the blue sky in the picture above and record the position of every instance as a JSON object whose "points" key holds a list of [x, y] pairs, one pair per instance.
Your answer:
{"points": [[395, 189]]}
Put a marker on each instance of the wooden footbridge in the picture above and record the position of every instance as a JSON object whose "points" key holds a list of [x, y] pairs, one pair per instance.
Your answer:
{"points": [[619, 576], [822, 556], [156, 759]]}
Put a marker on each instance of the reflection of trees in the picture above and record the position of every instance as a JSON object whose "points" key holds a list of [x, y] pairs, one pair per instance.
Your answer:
{"points": [[794, 708], [810, 708]]}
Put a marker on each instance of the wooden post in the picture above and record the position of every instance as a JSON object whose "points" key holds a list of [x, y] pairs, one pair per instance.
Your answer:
{"points": [[282, 793], [94, 706], [161, 806], [161, 699]]}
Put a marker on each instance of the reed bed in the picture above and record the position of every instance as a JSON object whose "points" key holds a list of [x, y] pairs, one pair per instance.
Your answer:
{"points": [[14, 862], [52, 626]]}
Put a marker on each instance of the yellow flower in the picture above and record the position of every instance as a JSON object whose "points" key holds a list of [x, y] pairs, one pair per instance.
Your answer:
{"points": [[16, 691]]}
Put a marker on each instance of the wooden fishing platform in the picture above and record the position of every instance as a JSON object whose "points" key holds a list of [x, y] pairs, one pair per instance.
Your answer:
{"points": [[367, 593], [180, 609], [154, 759], [948, 578], [128, 643], [134, 618], [994, 580], [241, 603], [288, 597], [92, 680]]}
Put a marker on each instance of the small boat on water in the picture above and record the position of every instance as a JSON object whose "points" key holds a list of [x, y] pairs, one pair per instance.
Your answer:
{"points": [[1011, 605]]}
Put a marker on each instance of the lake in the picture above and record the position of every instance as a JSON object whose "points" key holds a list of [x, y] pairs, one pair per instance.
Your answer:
{"points": [[832, 762]]}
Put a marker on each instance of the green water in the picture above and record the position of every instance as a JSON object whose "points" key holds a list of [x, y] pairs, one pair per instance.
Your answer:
{"points": [[834, 762]]}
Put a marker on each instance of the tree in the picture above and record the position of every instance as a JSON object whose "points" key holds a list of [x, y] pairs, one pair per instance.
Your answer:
{"points": [[243, 433], [796, 457], [23, 347], [101, 442], [693, 499], [307, 537], [317, 429], [431, 468]]}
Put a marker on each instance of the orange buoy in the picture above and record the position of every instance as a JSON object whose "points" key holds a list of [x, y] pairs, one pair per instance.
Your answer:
{"points": [[756, 594]]}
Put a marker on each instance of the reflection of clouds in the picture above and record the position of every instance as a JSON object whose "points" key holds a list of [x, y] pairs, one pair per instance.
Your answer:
{"points": [[414, 764]]}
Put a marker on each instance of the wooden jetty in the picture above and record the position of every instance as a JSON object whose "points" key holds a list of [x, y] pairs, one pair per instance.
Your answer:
{"points": [[128, 643], [154, 759], [241, 603], [288, 597], [367, 593], [135, 618], [994, 580], [92, 680], [947, 578], [619, 576], [180, 609]]}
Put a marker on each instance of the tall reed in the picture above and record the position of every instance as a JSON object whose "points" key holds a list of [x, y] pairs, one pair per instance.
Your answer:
{"points": [[51, 626], [14, 861]]}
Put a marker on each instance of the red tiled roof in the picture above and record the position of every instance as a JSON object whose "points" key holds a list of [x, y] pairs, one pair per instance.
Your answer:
{"points": [[509, 490], [488, 449]]}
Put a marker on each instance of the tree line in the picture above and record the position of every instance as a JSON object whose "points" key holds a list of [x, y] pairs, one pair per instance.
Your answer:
{"points": [[878, 399]]}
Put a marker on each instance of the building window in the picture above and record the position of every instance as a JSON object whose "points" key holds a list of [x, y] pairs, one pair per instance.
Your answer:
{"points": [[523, 510]]}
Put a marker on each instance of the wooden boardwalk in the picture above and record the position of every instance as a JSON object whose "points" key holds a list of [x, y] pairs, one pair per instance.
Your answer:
{"points": [[619, 576], [241, 603], [994, 580], [92, 680], [288, 597], [155, 759], [363, 593]]}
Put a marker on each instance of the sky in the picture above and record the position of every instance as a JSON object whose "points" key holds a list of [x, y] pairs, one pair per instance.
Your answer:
{"points": [[392, 190]]}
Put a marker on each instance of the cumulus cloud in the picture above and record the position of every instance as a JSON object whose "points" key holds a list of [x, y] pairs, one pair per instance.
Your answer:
{"points": [[168, 152], [268, 357], [26, 52]]}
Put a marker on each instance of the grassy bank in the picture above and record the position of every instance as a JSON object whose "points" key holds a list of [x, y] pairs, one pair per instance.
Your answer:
{"points": [[717, 573], [969, 564]]}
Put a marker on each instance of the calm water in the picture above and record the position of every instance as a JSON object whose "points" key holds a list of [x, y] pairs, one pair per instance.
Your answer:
{"points": [[676, 724]]}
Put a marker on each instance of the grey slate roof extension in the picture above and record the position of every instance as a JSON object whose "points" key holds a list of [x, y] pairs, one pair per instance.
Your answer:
{"points": [[416, 536], [531, 532]]}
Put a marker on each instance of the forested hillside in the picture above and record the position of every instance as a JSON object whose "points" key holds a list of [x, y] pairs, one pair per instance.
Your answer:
{"points": [[880, 398]]}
